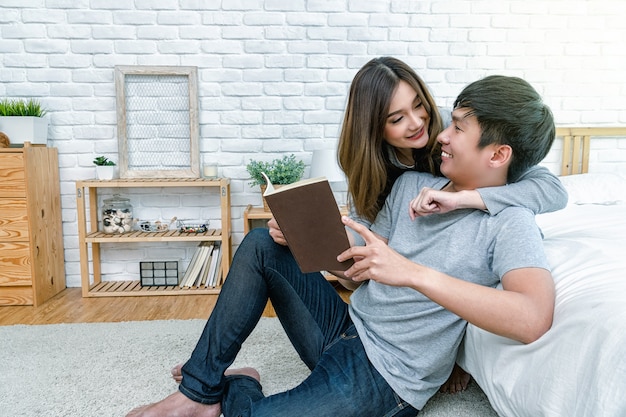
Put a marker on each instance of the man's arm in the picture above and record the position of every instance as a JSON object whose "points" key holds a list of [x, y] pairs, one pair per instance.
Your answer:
{"points": [[522, 311]]}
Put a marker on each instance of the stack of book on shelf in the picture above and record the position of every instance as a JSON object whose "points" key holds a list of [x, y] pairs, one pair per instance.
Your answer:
{"points": [[205, 267]]}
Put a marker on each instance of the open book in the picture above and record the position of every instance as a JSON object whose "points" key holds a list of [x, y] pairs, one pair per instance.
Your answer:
{"points": [[308, 216]]}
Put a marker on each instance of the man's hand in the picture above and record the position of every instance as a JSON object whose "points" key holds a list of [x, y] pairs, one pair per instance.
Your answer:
{"points": [[376, 260], [275, 232], [430, 201]]}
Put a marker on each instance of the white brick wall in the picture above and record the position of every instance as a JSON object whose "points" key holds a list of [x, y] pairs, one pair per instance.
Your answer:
{"points": [[274, 74]]}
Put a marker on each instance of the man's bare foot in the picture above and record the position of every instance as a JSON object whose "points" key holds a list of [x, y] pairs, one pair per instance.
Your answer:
{"points": [[177, 405], [457, 381], [251, 372], [177, 373]]}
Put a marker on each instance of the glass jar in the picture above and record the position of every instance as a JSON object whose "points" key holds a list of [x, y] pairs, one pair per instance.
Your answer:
{"points": [[117, 215]]}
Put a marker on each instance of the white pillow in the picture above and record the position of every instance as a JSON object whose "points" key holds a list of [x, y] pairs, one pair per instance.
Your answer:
{"points": [[597, 188]]}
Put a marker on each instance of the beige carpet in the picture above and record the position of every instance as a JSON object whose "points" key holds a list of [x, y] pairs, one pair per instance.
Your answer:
{"points": [[106, 369]]}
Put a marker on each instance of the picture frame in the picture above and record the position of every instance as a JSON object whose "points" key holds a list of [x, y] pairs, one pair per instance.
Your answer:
{"points": [[157, 121]]}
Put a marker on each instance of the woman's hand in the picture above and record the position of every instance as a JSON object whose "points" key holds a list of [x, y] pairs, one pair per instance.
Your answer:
{"points": [[275, 232], [430, 201]]}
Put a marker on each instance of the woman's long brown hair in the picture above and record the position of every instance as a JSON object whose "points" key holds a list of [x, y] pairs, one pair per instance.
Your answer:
{"points": [[362, 149]]}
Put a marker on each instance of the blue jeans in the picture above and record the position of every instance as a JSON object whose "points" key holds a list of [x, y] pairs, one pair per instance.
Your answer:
{"points": [[315, 318]]}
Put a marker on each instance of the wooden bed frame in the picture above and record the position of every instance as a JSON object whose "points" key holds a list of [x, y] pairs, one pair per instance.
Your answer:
{"points": [[575, 156]]}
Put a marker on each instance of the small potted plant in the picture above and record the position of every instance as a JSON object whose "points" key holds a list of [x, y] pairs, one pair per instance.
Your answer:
{"points": [[105, 168], [23, 121], [280, 171]]}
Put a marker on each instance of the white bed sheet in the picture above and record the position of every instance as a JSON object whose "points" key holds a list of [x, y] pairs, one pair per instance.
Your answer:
{"points": [[578, 368]]}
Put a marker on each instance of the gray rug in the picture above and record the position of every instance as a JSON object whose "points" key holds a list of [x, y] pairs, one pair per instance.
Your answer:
{"points": [[106, 369]]}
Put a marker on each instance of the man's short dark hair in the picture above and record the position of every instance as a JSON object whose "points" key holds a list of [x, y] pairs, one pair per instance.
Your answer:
{"points": [[510, 112]]}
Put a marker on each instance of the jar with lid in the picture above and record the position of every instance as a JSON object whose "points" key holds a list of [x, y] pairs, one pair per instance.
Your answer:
{"points": [[117, 215]]}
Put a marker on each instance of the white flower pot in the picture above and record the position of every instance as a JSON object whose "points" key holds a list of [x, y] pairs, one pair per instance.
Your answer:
{"points": [[22, 129], [105, 172]]}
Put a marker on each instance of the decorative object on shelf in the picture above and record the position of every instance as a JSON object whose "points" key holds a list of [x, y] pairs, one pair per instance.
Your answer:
{"points": [[23, 121], [155, 226], [209, 171], [195, 227], [280, 171], [105, 168], [158, 273], [5, 142], [157, 121], [117, 215]]}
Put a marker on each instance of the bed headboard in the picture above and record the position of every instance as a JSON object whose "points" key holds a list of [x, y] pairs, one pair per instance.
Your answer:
{"points": [[575, 156]]}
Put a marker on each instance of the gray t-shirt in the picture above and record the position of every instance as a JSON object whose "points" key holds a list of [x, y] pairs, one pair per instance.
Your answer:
{"points": [[411, 340]]}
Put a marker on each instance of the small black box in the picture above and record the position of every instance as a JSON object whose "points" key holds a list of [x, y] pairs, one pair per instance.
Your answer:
{"points": [[158, 273]]}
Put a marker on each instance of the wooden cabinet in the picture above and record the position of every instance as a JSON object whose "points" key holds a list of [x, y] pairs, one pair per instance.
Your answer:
{"points": [[31, 235], [90, 238]]}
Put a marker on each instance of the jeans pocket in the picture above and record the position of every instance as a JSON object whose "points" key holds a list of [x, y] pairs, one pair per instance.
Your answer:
{"points": [[350, 333], [402, 409]]}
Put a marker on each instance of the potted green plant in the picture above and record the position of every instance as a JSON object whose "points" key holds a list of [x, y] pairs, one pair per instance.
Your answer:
{"points": [[280, 171], [105, 168], [23, 121]]}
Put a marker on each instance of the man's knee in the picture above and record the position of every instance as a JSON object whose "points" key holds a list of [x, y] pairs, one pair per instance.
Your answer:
{"points": [[259, 244], [258, 237], [259, 233]]}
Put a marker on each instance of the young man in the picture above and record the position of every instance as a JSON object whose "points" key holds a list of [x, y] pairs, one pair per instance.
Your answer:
{"points": [[421, 279]]}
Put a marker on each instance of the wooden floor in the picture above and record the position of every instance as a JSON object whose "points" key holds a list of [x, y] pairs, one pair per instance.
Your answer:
{"points": [[70, 307]]}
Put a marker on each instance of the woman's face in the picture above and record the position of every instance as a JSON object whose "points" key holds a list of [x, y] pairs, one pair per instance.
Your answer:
{"points": [[408, 121]]}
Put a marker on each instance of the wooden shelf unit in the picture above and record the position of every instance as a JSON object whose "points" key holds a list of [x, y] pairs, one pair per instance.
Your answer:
{"points": [[92, 284]]}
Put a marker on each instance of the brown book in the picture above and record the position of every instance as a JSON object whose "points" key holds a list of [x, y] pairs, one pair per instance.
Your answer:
{"points": [[308, 216]]}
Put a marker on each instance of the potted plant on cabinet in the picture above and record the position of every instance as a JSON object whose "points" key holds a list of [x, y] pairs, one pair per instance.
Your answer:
{"points": [[105, 168], [23, 121], [280, 171]]}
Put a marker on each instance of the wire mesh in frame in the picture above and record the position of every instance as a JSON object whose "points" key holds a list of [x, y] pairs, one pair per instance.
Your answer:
{"points": [[157, 117]]}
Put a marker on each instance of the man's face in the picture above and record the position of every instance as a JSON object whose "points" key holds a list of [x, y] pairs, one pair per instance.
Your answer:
{"points": [[461, 159]]}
